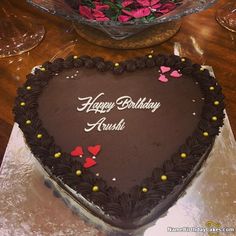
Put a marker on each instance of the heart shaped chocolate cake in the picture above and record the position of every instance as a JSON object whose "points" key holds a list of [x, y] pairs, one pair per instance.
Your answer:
{"points": [[122, 139]]}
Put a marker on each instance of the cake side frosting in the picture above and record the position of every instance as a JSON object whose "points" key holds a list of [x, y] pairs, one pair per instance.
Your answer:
{"points": [[125, 207]]}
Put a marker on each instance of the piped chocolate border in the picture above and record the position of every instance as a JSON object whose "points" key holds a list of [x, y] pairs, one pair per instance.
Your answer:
{"points": [[125, 210]]}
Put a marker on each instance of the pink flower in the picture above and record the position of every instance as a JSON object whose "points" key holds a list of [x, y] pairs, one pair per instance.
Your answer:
{"points": [[124, 18], [86, 11], [139, 13]]}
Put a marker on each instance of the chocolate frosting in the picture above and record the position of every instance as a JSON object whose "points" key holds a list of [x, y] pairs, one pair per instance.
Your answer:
{"points": [[148, 139], [149, 146]]}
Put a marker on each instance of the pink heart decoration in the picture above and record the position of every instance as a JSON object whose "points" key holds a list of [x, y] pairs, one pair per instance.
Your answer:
{"points": [[89, 162], [175, 74], [78, 151], [94, 149], [164, 69], [163, 78]]}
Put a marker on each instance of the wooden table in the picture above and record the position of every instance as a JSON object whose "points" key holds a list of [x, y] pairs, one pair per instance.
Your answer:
{"points": [[200, 38]]}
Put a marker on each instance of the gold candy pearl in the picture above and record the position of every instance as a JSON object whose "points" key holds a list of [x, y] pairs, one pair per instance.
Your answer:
{"points": [[75, 57], [117, 64], [214, 118], [152, 51], [95, 188], [78, 172], [201, 69], [42, 69], [216, 103], [183, 59], [183, 155], [39, 136], [144, 190], [212, 88], [149, 56], [163, 177], [22, 104], [205, 134], [57, 155], [28, 122], [28, 88]]}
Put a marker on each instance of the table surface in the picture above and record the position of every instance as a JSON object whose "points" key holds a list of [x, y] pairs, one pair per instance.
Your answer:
{"points": [[200, 38]]}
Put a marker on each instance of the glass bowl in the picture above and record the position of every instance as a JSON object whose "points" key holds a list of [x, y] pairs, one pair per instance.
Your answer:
{"points": [[117, 30], [226, 15]]}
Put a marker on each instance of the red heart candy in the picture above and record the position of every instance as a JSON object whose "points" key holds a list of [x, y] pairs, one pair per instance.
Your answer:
{"points": [[78, 151], [94, 149], [89, 162]]}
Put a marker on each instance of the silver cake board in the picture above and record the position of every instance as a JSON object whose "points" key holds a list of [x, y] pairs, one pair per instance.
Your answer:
{"points": [[27, 207]]}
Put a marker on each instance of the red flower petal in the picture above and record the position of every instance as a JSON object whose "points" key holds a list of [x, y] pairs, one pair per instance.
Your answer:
{"points": [[139, 13], [102, 19], [127, 12], [144, 3], [98, 14], [154, 2], [86, 11], [156, 6], [100, 7], [126, 3], [123, 18]]}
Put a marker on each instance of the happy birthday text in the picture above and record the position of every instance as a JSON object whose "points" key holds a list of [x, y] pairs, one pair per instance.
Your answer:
{"points": [[94, 104]]}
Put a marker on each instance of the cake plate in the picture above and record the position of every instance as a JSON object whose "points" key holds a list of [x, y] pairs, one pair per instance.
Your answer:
{"points": [[132, 34], [28, 208]]}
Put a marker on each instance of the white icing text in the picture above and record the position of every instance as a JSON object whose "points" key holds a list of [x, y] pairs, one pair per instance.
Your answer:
{"points": [[90, 104]]}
